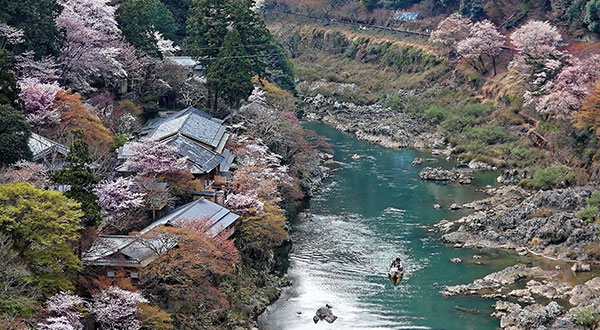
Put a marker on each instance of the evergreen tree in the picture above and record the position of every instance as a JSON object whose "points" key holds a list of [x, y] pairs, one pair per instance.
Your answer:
{"points": [[78, 174], [14, 136], [180, 10], [591, 16], [210, 21], [36, 19], [9, 92], [230, 75], [139, 19]]}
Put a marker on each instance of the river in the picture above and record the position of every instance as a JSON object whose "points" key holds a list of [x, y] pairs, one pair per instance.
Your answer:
{"points": [[373, 209]]}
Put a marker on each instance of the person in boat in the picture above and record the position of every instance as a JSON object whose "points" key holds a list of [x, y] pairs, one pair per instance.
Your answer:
{"points": [[397, 263]]}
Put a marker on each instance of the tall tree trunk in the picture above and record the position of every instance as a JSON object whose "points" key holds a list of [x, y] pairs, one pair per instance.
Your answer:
{"points": [[494, 64], [215, 102]]}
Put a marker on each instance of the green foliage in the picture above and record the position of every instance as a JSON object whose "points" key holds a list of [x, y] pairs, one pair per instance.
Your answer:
{"points": [[594, 199], [588, 213], [36, 19], [139, 19], [464, 117], [472, 9], [209, 22], [77, 173], [230, 75], [17, 296], [43, 225], [9, 91], [549, 177], [436, 113], [180, 10], [591, 15], [369, 4], [258, 235], [587, 317], [14, 136], [394, 102], [280, 70], [491, 134]]}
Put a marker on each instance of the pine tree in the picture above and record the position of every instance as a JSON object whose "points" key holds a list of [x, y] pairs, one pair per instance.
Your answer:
{"points": [[14, 136], [230, 75], [9, 92], [78, 174]]}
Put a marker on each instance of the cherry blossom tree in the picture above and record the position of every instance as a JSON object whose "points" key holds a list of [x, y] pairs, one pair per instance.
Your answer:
{"points": [[567, 91], [536, 39], [245, 204], [25, 171], [155, 158], [118, 197], [91, 44], [38, 99], [484, 39], [10, 35], [44, 70], [451, 30], [64, 314], [117, 309]]}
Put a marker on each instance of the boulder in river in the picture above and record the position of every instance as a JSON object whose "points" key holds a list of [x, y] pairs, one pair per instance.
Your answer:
{"points": [[324, 313], [456, 260]]}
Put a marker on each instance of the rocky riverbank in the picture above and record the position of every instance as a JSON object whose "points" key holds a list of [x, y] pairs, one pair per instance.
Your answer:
{"points": [[524, 308], [543, 223], [375, 123], [460, 175], [539, 223]]}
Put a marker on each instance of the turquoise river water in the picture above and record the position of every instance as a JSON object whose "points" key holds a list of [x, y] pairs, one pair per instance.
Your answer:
{"points": [[371, 210]]}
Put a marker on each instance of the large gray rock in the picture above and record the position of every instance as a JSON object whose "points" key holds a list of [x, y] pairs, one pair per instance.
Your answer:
{"points": [[460, 175]]}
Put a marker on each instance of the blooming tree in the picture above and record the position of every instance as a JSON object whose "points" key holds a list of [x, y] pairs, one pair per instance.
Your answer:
{"points": [[245, 204], [44, 70], [451, 30], [155, 158], [10, 35], [536, 39], [484, 39], [91, 44], [39, 99], [116, 309], [25, 171], [62, 306], [118, 196], [567, 91]]}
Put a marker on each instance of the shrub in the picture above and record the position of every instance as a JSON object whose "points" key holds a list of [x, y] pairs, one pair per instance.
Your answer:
{"points": [[436, 113], [488, 134], [592, 250], [546, 178], [594, 200], [586, 317]]}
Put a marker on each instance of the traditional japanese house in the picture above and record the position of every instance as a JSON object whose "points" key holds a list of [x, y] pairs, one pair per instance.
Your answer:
{"points": [[197, 136], [117, 252]]}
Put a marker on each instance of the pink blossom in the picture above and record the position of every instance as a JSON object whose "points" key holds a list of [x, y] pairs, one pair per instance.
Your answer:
{"points": [[38, 99], [116, 309], [44, 70], [118, 196], [451, 30], [245, 204], [11, 35], [90, 48], [484, 39], [154, 157], [536, 39], [64, 315]]}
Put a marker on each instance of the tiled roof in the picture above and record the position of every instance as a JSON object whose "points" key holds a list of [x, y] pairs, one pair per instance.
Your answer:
{"points": [[201, 159], [191, 122], [218, 217], [41, 146], [122, 250]]}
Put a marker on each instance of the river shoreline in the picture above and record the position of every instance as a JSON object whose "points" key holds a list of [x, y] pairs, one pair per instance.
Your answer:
{"points": [[290, 294]]}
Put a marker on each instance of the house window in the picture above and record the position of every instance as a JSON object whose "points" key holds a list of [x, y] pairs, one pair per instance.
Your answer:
{"points": [[110, 274], [134, 275]]}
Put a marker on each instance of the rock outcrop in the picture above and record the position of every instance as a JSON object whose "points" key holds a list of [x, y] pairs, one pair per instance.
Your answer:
{"points": [[542, 223], [375, 123], [460, 175]]}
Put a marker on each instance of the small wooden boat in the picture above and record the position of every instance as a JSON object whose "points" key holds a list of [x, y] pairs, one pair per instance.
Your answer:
{"points": [[395, 275]]}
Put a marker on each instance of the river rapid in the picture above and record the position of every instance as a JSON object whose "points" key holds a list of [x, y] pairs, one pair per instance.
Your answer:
{"points": [[371, 210]]}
